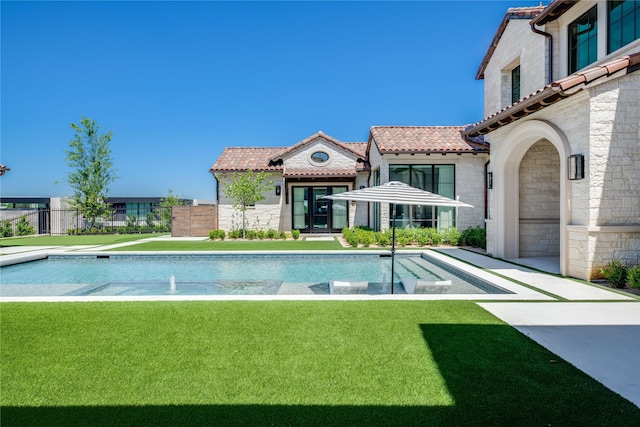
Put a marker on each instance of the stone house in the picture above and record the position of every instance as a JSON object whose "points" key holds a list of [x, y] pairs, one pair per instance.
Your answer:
{"points": [[563, 122], [434, 158]]}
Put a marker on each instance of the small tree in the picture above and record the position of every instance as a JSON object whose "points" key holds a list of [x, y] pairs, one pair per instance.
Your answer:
{"points": [[90, 159], [23, 228], [167, 203], [245, 190]]}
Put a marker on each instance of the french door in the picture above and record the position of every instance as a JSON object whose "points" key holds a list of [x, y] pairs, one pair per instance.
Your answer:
{"points": [[314, 214]]}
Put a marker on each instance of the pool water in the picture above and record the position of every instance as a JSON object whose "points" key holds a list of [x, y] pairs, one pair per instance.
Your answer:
{"points": [[222, 274]]}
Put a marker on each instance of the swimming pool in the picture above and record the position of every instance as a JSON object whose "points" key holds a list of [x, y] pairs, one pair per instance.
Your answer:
{"points": [[225, 274]]}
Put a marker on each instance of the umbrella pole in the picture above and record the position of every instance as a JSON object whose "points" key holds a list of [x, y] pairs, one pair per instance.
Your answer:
{"points": [[393, 243]]}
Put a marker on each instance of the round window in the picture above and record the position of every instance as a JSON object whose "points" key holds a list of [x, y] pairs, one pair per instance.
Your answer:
{"points": [[319, 157]]}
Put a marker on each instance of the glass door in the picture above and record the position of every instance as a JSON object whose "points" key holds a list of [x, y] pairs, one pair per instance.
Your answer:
{"points": [[312, 213], [320, 210]]}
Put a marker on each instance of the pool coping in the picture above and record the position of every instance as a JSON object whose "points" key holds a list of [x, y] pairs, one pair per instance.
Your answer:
{"points": [[519, 292]]}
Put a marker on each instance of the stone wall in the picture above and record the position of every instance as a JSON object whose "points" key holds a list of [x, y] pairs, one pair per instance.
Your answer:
{"points": [[539, 201]]}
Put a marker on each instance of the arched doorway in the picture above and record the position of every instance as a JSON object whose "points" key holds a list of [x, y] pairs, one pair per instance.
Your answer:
{"points": [[530, 200]]}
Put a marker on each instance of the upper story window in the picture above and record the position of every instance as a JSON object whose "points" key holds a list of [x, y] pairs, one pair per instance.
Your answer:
{"points": [[624, 23], [515, 84], [319, 157], [583, 40]]}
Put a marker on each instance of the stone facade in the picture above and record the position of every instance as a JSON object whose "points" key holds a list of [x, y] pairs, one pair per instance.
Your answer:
{"points": [[535, 209]]}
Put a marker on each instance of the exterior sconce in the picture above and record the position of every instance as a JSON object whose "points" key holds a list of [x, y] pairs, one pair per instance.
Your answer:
{"points": [[278, 190], [576, 167], [489, 180]]}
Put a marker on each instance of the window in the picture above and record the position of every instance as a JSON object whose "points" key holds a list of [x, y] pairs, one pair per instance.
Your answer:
{"points": [[583, 40], [438, 179], [624, 23], [319, 157], [515, 84]]}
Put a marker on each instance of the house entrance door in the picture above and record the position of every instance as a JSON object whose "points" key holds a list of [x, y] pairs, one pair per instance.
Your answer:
{"points": [[314, 214]]}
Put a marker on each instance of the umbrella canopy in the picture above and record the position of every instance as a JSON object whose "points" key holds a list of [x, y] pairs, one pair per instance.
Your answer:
{"points": [[396, 193]]}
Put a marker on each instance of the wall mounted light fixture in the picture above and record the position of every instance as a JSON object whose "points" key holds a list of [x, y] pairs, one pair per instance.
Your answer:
{"points": [[576, 167], [489, 180], [278, 190]]}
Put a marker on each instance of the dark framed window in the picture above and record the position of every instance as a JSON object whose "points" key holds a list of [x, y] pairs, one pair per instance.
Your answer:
{"points": [[583, 40], [624, 23], [319, 157], [515, 84], [438, 179]]}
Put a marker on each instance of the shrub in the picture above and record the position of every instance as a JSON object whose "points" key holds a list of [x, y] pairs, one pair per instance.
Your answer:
{"points": [[271, 233], [295, 234], [23, 228], [363, 227], [350, 236], [633, 275], [616, 273], [475, 237], [261, 234], [235, 234], [6, 230], [216, 234], [451, 236], [383, 238], [250, 234], [403, 240], [367, 238], [282, 235]]}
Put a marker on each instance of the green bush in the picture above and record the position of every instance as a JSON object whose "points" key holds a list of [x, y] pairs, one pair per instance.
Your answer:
{"points": [[235, 234], [350, 236], [383, 238], [282, 235], [295, 234], [6, 230], [367, 238], [475, 237], [633, 275], [216, 234], [250, 234], [450, 236], [261, 234], [272, 234], [23, 228], [616, 273]]}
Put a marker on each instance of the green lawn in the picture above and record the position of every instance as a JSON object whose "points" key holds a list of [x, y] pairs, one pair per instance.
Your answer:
{"points": [[287, 363], [100, 239]]}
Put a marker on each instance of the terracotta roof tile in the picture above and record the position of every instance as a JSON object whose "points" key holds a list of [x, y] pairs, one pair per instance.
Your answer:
{"points": [[422, 139], [554, 92], [238, 159], [315, 136], [554, 10]]}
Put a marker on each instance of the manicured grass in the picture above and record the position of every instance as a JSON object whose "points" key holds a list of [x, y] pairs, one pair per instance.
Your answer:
{"points": [[100, 239], [236, 245], [287, 363]]}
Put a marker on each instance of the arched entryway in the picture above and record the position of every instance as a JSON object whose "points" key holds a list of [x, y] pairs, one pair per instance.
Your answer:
{"points": [[530, 200]]}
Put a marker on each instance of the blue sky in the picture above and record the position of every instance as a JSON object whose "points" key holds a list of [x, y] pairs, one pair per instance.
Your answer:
{"points": [[177, 82]]}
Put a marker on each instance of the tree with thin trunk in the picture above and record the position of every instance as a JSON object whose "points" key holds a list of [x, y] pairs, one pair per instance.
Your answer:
{"points": [[90, 159], [167, 203], [245, 190]]}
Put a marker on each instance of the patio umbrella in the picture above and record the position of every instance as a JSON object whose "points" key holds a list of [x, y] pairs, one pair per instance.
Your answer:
{"points": [[396, 193]]}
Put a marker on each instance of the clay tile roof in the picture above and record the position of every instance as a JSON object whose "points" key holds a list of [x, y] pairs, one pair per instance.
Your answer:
{"points": [[553, 11], [315, 136], [238, 159], [554, 92], [512, 13], [423, 139], [319, 172]]}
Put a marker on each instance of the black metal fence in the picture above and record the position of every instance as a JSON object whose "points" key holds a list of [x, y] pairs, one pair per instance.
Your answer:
{"points": [[62, 222]]}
